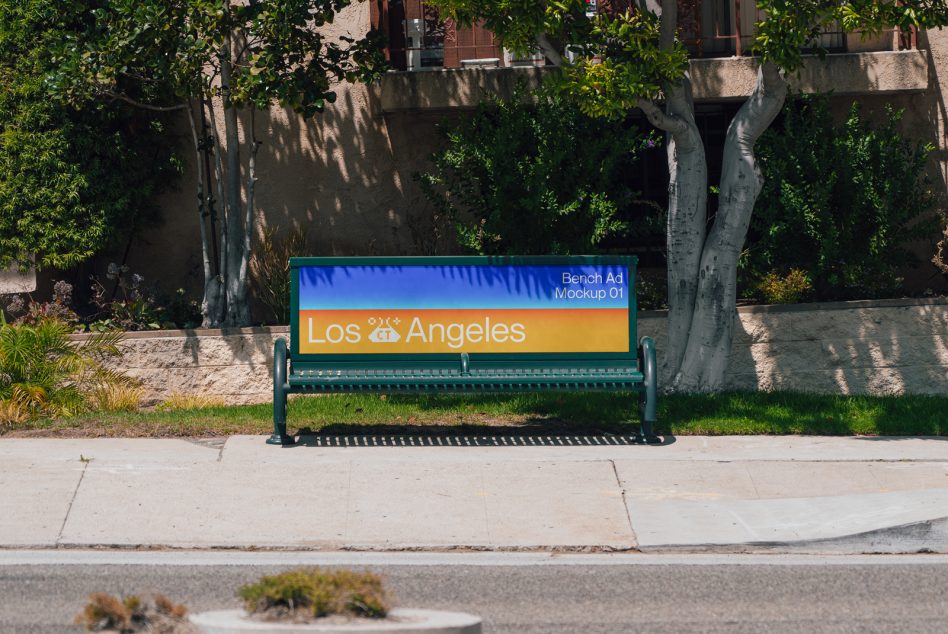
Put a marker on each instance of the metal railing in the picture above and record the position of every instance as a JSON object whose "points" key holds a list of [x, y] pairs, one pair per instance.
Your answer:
{"points": [[419, 39]]}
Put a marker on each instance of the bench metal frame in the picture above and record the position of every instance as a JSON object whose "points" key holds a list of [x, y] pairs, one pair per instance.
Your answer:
{"points": [[633, 370]]}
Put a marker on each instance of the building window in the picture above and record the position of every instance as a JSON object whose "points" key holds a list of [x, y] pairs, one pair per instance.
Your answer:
{"points": [[419, 39]]}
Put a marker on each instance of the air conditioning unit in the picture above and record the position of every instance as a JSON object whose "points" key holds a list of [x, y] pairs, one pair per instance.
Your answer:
{"points": [[531, 59]]}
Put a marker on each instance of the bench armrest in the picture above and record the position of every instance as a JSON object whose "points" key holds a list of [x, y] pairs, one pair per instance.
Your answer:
{"points": [[648, 365]]}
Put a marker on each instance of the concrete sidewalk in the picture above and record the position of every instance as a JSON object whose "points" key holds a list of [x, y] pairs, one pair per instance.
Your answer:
{"points": [[736, 494]]}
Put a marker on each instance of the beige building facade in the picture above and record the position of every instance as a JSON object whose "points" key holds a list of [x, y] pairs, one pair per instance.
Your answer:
{"points": [[346, 176]]}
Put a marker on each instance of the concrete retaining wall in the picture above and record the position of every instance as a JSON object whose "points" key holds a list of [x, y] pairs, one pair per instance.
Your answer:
{"points": [[880, 347], [874, 347]]}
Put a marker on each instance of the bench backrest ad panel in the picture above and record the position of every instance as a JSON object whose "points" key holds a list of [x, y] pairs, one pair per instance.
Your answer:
{"points": [[403, 308]]}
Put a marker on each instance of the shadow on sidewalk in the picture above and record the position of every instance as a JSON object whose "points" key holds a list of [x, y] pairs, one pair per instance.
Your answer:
{"points": [[439, 436]]}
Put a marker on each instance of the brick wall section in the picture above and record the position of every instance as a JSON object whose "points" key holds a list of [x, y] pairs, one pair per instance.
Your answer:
{"points": [[877, 347]]}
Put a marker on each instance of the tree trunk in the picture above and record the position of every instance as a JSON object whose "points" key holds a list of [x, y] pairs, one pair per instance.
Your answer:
{"points": [[214, 286], [202, 212], [243, 271], [687, 218], [236, 312], [712, 324]]}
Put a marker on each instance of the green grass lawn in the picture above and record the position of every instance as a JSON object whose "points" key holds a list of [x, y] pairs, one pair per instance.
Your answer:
{"points": [[715, 414]]}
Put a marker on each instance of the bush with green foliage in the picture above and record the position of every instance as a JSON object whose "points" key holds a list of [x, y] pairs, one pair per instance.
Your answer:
{"points": [[840, 202], [785, 289], [43, 373], [121, 302], [130, 305], [314, 593], [73, 181], [32, 313], [535, 179]]}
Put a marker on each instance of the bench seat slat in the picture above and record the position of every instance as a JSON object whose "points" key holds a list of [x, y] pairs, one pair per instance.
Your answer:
{"points": [[524, 379]]}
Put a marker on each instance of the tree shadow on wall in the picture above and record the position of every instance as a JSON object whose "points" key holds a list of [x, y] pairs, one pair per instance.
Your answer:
{"points": [[850, 349]]}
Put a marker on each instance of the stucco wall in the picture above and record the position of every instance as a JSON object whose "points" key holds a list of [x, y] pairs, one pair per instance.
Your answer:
{"points": [[346, 175], [892, 346]]}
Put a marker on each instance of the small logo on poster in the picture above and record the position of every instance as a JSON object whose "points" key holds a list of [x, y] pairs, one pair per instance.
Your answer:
{"points": [[384, 331]]}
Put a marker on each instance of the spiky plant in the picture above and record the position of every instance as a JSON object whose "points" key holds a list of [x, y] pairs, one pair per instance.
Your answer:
{"points": [[270, 269], [44, 373]]}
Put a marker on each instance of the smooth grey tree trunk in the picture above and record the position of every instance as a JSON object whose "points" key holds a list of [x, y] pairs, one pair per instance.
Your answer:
{"points": [[208, 267], [238, 226], [214, 294], [712, 324], [687, 218]]}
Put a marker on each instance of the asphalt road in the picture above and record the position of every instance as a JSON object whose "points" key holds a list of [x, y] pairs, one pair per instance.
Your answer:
{"points": [[906, 594]]}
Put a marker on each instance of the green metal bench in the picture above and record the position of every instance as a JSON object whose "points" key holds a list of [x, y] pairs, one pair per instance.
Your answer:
{"points": [[463, 324]]}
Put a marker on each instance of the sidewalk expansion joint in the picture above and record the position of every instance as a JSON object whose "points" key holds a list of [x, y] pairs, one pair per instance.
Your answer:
{"points": [[85, 466], [625, 504]]}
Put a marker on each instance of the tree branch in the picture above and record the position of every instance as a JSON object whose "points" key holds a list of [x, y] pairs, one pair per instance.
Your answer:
{"points": [[145, 106], [763, 105], [549, 50], [655, 6], [673, 124], [669, 24]]}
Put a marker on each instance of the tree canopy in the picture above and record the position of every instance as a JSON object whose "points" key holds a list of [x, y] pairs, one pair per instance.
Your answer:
{"points": [[631, 57], [218, 57], [73, 180]]}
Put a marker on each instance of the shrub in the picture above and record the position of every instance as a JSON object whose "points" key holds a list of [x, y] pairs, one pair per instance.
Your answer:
{"points": [[133, 306], [129, 306], [73, 181], [840, 201], [315, 593], [651, 291], [155, 613], [270, 270], [44, 373], [940, 259], [534, 179], [33, 313], [788, 289]]}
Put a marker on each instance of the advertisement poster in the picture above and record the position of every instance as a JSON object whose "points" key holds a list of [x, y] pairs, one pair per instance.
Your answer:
{"points": [[418, 309]]}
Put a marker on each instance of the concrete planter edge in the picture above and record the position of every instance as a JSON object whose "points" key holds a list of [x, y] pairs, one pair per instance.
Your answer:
{"points": [[403, 621]]}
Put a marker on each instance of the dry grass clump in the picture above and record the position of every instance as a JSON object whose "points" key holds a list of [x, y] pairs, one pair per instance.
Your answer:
{"points": [[155, 614], [116, 397], [178, 401], [12, 412], [309, 593]]}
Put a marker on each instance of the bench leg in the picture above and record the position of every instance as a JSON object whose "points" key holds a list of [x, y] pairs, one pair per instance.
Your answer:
{"points": [[279, 436], [648, 396]]}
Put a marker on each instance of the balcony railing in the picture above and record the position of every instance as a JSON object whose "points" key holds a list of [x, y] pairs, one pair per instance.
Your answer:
{"points": [[420, 40], [722, 28]]}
